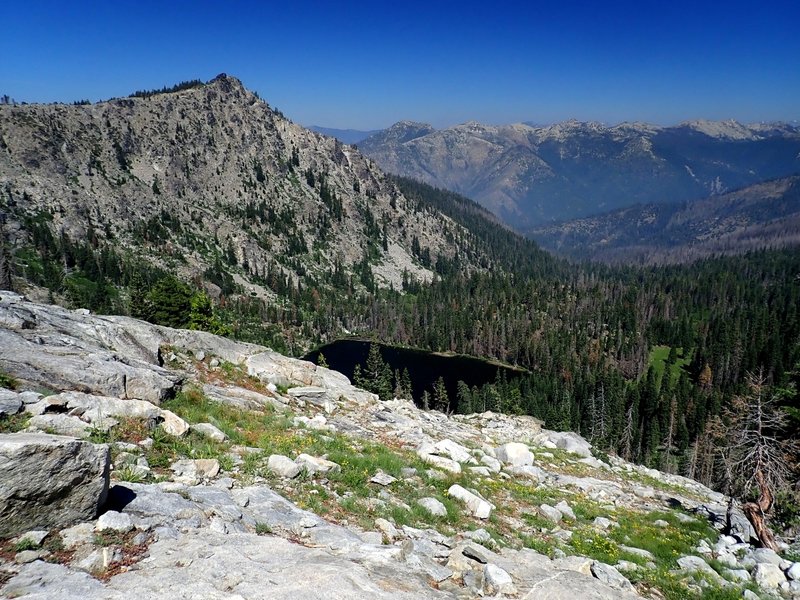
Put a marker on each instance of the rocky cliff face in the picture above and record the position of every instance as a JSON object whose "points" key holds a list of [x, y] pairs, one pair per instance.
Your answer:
{"points": [[204, 176], [238, 472], [530, 175]]}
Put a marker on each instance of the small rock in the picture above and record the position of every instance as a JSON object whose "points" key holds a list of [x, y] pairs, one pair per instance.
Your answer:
{"points": [[202, 468], [452, 450], [550, 513], [646, 554], [283, 466], [440, 462], [566, 510], [479, 507], [98, 560], [603, 523], [660, 523], [173, 424], [388, 530], [408, 472], [482, 471], [491, 463], [382, 478], [793, 572], [611, 577], [478, 535], [200, 356], [514, 454], [210, 431], [695, 564], [579, 564], [213, 363], [314, 464], [114, 521], [737, 575], [433, 506], [727, 559], [626, 565], [77, 535], [750, 595], [477, 552], [28, 556], [10, 403], [497, 581], [35, 537]]}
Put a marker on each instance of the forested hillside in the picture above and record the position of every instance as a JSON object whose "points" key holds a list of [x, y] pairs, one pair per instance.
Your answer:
{"points": [[764, 215]]}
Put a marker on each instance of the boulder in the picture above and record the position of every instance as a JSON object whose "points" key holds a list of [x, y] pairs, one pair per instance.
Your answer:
{"points": [[491, 463], [566, 510], [479, 507], [433, 506], [766, 556], [283, 466], [452, 450], [314, 464], [173, 424], [210, 431], [440, 462], [202, 468], [550, 513], [695, 564], [571, 442], [114, 521], [611, 577], [10, 403], [60, 425], [514, 454], [49, 481], [768, 576], [497, 581]]}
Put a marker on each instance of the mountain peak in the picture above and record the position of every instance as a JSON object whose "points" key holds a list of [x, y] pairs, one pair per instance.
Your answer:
{"points": [[730, 129]]}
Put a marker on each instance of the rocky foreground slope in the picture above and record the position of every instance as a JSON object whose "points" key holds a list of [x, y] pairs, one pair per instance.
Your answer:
{"points": [[170, 463]]}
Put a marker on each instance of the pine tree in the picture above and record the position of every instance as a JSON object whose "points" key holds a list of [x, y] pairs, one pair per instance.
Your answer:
{"points": [[440, 400]]}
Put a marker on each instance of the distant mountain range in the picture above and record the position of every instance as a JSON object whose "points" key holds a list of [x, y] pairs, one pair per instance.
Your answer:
{"points": [[758, 216], [532, 175], [346, 136]]}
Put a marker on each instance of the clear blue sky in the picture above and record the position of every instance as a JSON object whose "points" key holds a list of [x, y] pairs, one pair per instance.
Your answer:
{"points": [[366, 65]]}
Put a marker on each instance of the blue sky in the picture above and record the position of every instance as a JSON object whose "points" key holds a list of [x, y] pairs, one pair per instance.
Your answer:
{"points": [[366, 65]]}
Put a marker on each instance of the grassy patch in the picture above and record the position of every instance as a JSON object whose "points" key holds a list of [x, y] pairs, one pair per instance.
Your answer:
{"points": [[14, 423], [7, 381], [658, 362]]}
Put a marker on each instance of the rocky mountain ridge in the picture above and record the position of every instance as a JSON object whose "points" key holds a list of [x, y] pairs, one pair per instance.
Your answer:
{"points": [[764, 215], [238, 472], [531, 175], [209, 179]]}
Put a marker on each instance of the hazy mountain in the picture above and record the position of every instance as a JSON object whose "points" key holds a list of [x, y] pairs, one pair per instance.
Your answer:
{"points": [[531, 175], [207, 178], [764, 215], [346, 136]]}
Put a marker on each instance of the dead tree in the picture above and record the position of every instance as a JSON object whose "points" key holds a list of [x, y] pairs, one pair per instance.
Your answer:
{"points": [[754, 456]]}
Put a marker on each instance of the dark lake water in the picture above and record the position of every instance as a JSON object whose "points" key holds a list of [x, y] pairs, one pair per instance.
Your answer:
{"points": [[424, 367]]}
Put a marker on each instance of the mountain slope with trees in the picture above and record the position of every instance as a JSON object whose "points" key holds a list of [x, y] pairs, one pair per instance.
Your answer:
{"points": [[764, 215], [533, 175], [205, 182]]}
